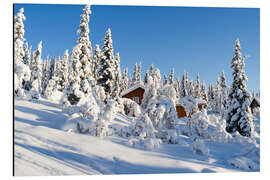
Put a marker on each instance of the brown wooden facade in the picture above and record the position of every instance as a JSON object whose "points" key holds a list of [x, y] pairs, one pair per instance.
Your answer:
{"points": [[136, 95], [181, 112]]}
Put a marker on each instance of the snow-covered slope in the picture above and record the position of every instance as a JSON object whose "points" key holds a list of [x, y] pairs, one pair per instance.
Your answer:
{"points": [[42, 148]]}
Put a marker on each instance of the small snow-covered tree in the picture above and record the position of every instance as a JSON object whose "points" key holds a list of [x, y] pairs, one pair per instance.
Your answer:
{"points": [[191, 90], [165, 80], [117, 86], [36, 75], [224, 91], [184, 84], [63, 77], [73, 91], [104, 119], [45, 74], [124, 84], [239, 117], [96, 59], [171, 77], [203, 92], [211, 97], [146, 78], [135, 72], [139, 70], [151, 70], [198, 88], [27, 54], [151, 89], [106, 71], [177, 87], [217, 96]]}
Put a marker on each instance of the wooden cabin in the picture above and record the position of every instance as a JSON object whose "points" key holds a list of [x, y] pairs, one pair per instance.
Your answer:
{"points": [[185, 107], [134, 93], [255, 103]]}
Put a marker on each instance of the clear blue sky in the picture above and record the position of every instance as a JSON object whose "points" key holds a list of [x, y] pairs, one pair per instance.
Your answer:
{"points": [[199, 40]]}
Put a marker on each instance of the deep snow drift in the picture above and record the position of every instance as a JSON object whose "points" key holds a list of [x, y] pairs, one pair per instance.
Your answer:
{"points": [[42, 147]]}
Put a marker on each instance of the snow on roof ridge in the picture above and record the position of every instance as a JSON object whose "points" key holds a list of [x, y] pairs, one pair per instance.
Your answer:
{"points": [[132, 88]]}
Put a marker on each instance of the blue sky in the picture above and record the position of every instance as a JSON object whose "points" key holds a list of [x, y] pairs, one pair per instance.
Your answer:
{"points": [[198, 40]]}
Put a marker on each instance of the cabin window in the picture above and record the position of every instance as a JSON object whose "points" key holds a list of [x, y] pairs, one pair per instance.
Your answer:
{"points": [[136, 99]]}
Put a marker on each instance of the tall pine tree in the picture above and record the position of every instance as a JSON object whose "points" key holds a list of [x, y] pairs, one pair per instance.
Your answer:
{"points": [[239, 117], [106, 71]]}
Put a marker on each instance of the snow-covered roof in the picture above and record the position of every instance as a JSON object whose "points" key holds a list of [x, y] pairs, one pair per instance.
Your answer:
{"points": [[189, 103], [132, 88]]}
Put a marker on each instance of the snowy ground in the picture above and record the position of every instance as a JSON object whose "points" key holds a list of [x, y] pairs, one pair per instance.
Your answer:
{"points": [[42, 148]]}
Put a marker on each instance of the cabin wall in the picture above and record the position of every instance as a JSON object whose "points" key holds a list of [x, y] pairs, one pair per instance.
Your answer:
{"points": [[136, 93]]}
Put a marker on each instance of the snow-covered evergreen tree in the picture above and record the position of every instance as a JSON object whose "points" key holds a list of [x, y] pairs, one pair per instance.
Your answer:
{"points": [[152, 87], [198, 87], [27, 54], [117, 86], [203, 92], [85, 45], [191, 89], [139, 70], [171, 77], [106, 71], [146, 76], [36, 75], [21, 69], [224, 91], [184, 84], [239, 117], [124, 83], [177, 87], [45, 74], [63, 75], [135, 74], [211, 97], [165, 80], [217, 96], [96, 59]]}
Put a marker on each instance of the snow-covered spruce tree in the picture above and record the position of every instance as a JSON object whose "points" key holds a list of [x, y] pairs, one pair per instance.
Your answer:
{"points": [[117, 86], [63, 75], [177, 87], [45, 74], [36, 75], [85, 45], [184, 84], [21, 70], [27, 54], [171, 77], [165, 80], [106, 71], [152, 87], [211, 98], [96, 59], [81, 61], [145, 81], [224, 91], [239, 117], [139, 70], [151, 70], [105, 118], [203, 92], [145, 132], [135, 72], [124, 82], [217, 96], [198, 88], [191, 89]]}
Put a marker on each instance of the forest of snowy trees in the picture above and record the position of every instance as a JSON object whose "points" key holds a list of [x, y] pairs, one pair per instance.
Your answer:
{"points": [[88, 84]]}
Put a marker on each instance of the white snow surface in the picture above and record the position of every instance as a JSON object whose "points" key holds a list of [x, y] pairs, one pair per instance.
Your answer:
{"points": [[43, 148]]}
